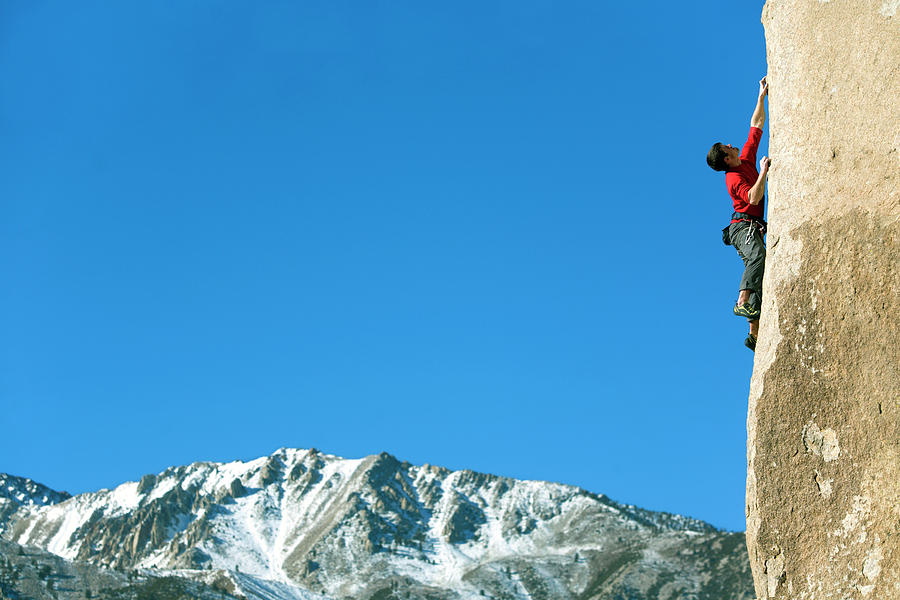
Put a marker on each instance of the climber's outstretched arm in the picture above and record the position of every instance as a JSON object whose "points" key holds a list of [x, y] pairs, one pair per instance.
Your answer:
{"points": [[759, 114]]}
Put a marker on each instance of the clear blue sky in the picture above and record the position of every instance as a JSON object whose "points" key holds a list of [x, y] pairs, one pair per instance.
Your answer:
{"points": [[475, 234]]}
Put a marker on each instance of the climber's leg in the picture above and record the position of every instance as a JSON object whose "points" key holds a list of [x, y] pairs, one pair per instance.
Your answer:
{"points": [[750, 246]]}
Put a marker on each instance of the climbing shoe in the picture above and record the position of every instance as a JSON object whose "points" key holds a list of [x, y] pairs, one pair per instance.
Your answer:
{"points": [[750, 342], [746, 310]]}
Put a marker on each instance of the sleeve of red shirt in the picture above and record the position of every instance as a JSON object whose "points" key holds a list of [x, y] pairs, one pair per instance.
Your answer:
{"points": [[748, 152], [738, 187]]}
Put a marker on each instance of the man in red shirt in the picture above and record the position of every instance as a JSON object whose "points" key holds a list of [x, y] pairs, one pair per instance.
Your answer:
{"points": [[747, 188]]}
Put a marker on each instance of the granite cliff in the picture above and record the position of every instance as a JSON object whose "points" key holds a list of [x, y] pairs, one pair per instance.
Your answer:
{"points": [[823, 486]]}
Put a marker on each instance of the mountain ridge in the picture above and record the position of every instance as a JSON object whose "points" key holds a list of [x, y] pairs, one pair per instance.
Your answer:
{"points": [[700, 524], [348, 528], [23, 490]]}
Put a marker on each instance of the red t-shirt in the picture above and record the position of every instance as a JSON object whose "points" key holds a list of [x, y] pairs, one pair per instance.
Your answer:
{"points": [[740, 179]]}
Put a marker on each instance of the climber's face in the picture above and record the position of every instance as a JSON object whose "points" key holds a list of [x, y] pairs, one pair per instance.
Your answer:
{"points": [[732, 156]]}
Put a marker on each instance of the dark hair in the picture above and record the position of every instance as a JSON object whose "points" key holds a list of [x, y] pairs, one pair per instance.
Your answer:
{"points": [[716, 157]]}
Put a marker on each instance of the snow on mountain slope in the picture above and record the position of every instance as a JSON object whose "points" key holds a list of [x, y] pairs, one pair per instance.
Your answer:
{"points": [[16, 492], [24, 491], [303, 521]]}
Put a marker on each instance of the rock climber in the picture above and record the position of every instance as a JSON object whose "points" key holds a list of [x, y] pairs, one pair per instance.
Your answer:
{"points": [[747, 188]]}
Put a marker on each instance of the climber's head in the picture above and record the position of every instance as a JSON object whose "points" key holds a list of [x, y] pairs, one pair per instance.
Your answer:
{"points": [[723, 156]]}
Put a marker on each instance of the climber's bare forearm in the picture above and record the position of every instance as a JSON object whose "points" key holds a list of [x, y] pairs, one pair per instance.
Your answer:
{"points": [[758, 191], [759, 113]]}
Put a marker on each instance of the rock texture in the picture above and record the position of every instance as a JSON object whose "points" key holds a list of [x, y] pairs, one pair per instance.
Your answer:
{"points": [[823, 486], [28, 573]]}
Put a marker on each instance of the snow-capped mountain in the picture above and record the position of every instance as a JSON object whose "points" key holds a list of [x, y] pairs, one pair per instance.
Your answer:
{"points": [[303, 523], [24, 491], [16, 492]]}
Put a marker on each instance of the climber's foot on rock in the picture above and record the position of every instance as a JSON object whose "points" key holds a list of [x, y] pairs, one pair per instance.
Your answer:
{"points": [[746, 310], [750, 342]]}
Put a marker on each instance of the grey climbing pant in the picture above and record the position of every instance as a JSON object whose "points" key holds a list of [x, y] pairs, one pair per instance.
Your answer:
{"points": [[748, 241]]}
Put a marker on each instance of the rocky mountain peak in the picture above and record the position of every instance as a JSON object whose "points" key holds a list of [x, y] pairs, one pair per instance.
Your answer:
{"points": [[26, 492], [353, 528]]}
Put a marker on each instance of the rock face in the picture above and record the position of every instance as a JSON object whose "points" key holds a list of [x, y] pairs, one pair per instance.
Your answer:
{"points": [[28, 572], [823, 485]]}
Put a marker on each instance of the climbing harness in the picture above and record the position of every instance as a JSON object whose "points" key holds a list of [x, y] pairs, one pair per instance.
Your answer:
{"points": [[755, 224]]}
